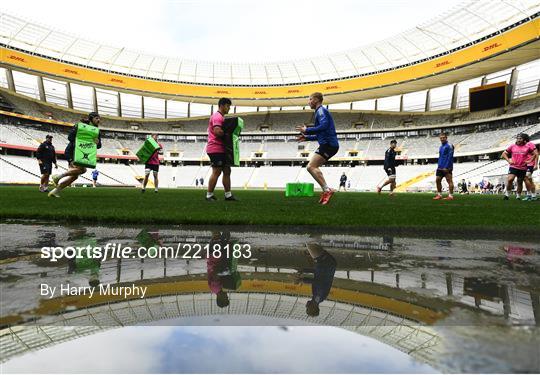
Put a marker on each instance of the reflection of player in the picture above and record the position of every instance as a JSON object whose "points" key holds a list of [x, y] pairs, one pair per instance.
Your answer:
{"points": [[85, 263], [221, 271], [323, 277]]}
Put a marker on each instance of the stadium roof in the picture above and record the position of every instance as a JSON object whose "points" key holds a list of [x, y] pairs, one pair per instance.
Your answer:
{"points": [[458, 28]]}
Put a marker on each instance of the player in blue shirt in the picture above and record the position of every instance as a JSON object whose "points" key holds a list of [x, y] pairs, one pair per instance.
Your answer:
{"points": [[95, 174], [324, 132], [445, 167]]}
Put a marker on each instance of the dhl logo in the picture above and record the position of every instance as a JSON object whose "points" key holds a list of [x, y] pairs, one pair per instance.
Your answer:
{"points": [[260, 92], [222, 92], [117, 80], [491, 46], [18, 58], [293, 91], [71, 71], [331, 87], [442, 63]]}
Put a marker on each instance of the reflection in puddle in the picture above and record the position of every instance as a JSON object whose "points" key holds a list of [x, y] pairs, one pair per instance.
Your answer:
{"points": [[419, 304]]}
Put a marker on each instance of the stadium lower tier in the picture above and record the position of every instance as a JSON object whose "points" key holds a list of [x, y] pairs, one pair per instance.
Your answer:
{"points": [[410, 178]]}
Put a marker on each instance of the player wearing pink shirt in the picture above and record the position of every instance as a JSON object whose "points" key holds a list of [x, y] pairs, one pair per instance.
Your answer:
{"points": [[532, 165], [152, 165], [517, 156], [215, 149]]}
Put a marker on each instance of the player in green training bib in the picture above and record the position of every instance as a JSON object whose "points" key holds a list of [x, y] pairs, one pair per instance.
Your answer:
{"points": [[81, 152]]}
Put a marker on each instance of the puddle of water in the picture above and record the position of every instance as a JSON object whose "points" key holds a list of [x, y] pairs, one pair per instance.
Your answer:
{"points": [[420, 304]]}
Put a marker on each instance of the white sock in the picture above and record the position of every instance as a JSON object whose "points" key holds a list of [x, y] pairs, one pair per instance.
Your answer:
{"points": [[325, 188], [506, 193], [209, 195], [228, 194], [55, 191], [533, 195]]}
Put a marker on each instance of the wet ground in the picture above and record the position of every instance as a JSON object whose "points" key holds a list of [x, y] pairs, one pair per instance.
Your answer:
{"points": [[267, 301]]}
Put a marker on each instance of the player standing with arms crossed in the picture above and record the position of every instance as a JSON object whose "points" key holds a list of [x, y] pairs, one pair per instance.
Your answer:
{"points": [[445, 167]]}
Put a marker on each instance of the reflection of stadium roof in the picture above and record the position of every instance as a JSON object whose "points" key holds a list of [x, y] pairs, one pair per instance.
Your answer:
{"points": [[457, 29], [401, 333]]}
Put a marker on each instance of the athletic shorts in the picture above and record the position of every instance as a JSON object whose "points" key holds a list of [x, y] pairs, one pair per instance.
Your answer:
{"points": [[218, 160], [327, 151], [441, 173], [391, 172], [151, 167], [519, 173], [342, 184], [45, 168]]}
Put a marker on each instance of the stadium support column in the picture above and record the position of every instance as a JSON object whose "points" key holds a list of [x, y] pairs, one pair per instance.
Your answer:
{"points": [[376, 104], [142, 106], [484, 81], [94, 99], [119, 106], [401, 103], [69, 95], [166, 108], [10, 80], [41, 89], [428, 101], [189, 109], [453, 103], [512, 86]]}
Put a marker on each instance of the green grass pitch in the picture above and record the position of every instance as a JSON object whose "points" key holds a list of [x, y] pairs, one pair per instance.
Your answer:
{"points": [[345, 210]]}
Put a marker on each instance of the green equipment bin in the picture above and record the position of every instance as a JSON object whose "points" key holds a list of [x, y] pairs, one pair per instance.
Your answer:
{"points": [[299, 189]]}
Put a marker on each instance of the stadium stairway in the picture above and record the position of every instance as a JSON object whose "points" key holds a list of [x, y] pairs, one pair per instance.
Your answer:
{"points": [[403, 186]]}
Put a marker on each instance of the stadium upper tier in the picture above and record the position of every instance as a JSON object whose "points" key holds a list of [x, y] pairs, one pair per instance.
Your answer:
{"points": [[478, 37], [268, 122]]}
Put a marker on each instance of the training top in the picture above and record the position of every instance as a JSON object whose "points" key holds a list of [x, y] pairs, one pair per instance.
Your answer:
{"points": [[95, 174], [46, 153], [215, 144], [343, 178], [520, 155], [390, 158], [154, 159], [531, 160], [446, 156], [323, 130]]}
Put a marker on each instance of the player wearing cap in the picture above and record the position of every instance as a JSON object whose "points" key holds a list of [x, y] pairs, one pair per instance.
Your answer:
{"points": [[324, 132], [46, 156], [74, 171]]}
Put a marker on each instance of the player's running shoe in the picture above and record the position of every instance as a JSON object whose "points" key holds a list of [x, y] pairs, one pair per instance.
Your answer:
{"points": [[379, 189], [321, 198], [438, 197], [506, 197], [52, 194], [327, 195], [232, 198], [211, 199]]}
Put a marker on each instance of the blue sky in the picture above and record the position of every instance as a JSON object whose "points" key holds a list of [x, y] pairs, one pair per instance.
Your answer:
{"points": [[233, 30]]}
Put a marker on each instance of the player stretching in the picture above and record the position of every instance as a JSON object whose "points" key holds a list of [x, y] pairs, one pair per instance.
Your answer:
{"points": [[517, 155], [74, 171], [324, 132], [444, 167], [390, 168]]}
